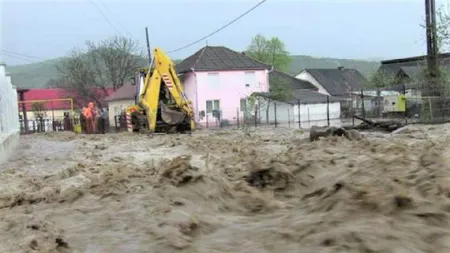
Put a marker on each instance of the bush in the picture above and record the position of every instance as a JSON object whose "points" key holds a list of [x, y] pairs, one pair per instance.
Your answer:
{"points": [[224, 123]]}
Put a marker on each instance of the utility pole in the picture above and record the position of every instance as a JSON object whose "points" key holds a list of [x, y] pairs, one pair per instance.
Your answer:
{"points": [[432, 49], [148, 48]]}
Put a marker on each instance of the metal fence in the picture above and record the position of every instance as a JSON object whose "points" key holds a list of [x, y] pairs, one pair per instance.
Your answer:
{"points": [[8, 104], [276, 114], [404, 104], [41, 125]]}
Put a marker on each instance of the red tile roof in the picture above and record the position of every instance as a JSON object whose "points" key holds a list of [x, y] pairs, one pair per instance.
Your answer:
{"points": [[53, 94], [127, 91]]}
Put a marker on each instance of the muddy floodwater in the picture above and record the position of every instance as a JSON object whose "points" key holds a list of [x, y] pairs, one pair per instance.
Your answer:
{"points": [[228, 191]]}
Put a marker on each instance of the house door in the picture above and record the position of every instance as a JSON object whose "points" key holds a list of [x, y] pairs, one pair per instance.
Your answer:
{"points": [[211, 106]]}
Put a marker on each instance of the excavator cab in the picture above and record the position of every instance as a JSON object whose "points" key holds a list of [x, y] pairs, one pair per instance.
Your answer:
{"points": [[161, 105]]}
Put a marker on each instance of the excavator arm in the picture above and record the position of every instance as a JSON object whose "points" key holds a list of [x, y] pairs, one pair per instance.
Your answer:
{"points": [[164, 76]]}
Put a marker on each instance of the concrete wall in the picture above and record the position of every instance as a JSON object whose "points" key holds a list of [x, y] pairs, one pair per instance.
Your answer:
{"points": [[9, 116], [310, 114]]}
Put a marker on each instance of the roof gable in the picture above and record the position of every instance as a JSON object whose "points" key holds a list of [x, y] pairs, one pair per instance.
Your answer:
{"points": [[217, 58], [292, 82], [338, 81], [127, 91]]}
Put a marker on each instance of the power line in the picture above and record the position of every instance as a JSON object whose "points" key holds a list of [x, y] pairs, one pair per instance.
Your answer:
{"points": [[107, 10], [106, 18], [20, 55], [220, 29], [17, 57]]}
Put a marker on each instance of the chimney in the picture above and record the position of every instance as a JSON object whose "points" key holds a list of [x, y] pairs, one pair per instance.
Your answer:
{"points": [[341, 68]]}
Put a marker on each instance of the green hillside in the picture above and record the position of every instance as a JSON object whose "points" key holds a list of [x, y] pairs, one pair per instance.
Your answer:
{"points": [[300, 62], [36, 75]]}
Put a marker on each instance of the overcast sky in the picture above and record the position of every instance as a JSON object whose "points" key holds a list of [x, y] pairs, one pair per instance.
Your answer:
{"points": [[358, 29]]}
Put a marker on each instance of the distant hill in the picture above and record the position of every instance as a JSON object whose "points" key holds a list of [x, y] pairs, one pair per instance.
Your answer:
{"points": [[36, 75], [300, 62]]}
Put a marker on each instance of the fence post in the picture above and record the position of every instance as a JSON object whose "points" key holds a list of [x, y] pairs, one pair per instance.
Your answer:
{"points": [[259, 109], [406, 106], [289, 118], [362, 104], [298, 108], [275, 112], [309, 119], [353, 118], [256, 115], [328, 110], [237, 116]]}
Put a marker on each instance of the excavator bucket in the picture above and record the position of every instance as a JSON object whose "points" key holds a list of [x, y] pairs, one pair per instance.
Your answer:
{"points": [[171, 117]]}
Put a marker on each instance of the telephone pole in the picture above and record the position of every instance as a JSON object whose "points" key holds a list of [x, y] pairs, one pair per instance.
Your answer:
{"points": [[432, 48]]}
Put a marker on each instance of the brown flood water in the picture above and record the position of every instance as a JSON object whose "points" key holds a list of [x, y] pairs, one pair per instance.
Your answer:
{"points": [[227, 191]]}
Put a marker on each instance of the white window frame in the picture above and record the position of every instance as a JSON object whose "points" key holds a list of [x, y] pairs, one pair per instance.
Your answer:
{"points": [[214, 80], [250, 79], [212, 105]]}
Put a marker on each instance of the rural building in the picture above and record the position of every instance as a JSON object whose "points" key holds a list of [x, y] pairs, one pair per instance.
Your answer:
{"points": [[51, 103], [408, 71], [313, 105], [218, 78], [120, 100], [338, 82]]}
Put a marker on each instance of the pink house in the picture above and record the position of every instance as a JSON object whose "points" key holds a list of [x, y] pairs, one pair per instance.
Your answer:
{"points": [[218, 78]]}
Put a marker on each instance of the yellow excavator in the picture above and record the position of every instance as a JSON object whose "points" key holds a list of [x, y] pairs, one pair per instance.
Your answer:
{"points": [[161, 104]]}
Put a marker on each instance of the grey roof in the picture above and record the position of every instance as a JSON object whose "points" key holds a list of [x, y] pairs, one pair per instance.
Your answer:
{"points": [[394, 66], [216, 58], [305, 97], [292, 82], [338, 82], [126, 92], [412, 71]]}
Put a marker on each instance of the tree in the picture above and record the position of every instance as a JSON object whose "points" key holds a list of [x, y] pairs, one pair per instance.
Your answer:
{"points": [[380, 79], [108, 64], [272, 52], [269, 51], [38, 109], [442, 28]]}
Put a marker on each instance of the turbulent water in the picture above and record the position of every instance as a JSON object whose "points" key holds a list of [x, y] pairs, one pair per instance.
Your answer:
{"points": [[227, 191]]}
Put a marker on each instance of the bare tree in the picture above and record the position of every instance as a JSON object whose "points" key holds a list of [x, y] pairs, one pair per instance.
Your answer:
{"points": [[91, 72]]}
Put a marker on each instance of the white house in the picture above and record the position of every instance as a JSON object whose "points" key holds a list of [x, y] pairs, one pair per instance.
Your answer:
{"points": [[314, 106], [315, 109], [338, 82]]}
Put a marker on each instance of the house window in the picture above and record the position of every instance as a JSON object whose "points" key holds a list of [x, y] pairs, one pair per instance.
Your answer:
{"points": [[213, 80], [243, 104], [212, 105], [250, 79]]}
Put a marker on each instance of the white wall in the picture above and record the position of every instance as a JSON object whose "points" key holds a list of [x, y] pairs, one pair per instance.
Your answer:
{"points": [[318, 112], [9, 115], [305, 76], [117, 107], [309, 113]]}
